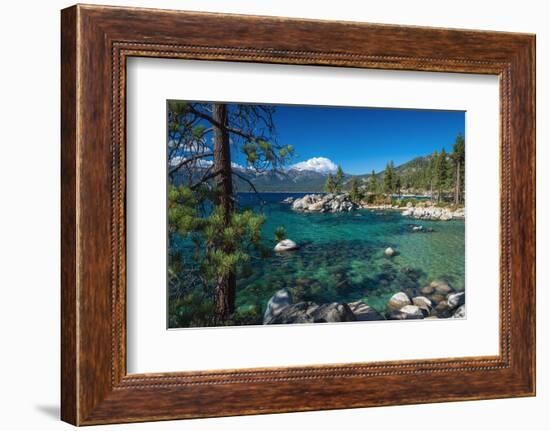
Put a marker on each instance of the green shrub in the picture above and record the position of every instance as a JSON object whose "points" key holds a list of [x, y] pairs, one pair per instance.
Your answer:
{"points": [[191, 310], [404, 201], [377, 199], [280, 233]]}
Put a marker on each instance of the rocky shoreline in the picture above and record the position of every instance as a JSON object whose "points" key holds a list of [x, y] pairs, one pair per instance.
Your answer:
{"points": [[342, 202], [433, 213], [438, 300], [282, 310], [324, 203]]}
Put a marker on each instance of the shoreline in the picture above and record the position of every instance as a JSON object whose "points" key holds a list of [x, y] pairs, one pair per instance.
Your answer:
{"points": [[422, 200], [342, 202], [419, 197]]}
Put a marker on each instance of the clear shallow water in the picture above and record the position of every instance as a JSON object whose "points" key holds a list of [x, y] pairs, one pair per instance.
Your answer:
{"points": [[341, 256]]}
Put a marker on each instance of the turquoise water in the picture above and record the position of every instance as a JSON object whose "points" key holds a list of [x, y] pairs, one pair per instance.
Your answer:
{"points": [[341, 256]]}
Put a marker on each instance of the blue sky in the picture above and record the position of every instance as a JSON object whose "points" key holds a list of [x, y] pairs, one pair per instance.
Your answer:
{"points": [[363, 139]]}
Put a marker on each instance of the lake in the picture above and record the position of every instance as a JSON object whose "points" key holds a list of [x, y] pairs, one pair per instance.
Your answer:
{"points": [[341, 255]]}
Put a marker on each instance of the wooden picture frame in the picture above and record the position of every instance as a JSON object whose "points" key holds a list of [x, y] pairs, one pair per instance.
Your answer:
{"points": [[95, 43]]}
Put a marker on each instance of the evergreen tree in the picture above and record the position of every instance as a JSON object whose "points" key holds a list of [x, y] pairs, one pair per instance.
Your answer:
{"points": [[354, 193], [458, 158], [433, 171], [442, 176], [338, 181], [438, 174], [398, 185], [373, 183], [329, 185], [201, 140], [389, 178]]}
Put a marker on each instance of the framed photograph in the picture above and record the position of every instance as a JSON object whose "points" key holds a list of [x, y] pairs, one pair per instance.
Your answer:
{"points": [[268, 215]]}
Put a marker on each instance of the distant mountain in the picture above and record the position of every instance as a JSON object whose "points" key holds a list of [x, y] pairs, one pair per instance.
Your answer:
{"points": [[308, 176], [408, 169], [411, 167], [291, 180]]}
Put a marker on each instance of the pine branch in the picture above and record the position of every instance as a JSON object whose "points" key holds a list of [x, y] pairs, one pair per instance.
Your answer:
{"points": [[188, 160], [205, 178], [242, 177], [238, 132]]}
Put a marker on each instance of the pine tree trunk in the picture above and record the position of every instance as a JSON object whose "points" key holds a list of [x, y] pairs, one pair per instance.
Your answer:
{"points": [[457, 184], [226, 285]]}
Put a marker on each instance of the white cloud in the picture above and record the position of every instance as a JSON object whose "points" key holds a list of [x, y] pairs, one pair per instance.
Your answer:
{"points": [[237, 166], [202, 163], [317, 164]]}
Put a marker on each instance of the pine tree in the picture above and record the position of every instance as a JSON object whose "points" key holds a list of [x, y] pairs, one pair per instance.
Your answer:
{"points": [[442, 173], [389, 178], [354, 193], [329, 185], [213, 132], [373, 183], [398, 185], [459, 162], [338, 182], [433, 171], [224, 243]]}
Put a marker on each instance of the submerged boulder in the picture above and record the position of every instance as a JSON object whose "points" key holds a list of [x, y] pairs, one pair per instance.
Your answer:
{"points": [[364, 312], [441, 287], [286, 245], [437, 297], [398, 301], [389, 252], [334, 312], [309, 312], [423, 303], [281, 299], [295, 313], [460, 312], [443, 310], [408, 312], [427, 290], [455, 300]]}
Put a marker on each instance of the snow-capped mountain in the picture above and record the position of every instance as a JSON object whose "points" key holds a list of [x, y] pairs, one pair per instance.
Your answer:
{"points": [[307, 176]]}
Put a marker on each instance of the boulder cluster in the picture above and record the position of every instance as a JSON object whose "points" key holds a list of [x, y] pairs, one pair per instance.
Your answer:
{"points": [[282, 310], [433, 213], [436, 300], [327, 203]]}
